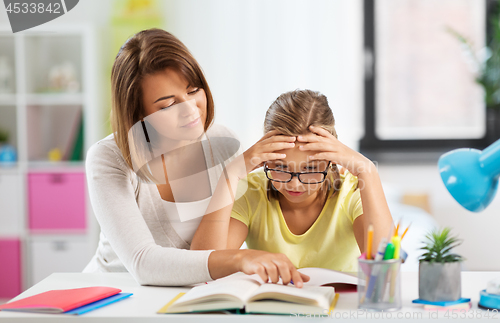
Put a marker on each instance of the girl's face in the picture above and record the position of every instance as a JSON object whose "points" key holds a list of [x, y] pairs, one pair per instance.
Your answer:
{"points": [[175, 108], [297, 161]]}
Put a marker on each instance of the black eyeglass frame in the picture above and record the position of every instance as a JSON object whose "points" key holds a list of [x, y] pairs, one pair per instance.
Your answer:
{"points": [[267, 169]]}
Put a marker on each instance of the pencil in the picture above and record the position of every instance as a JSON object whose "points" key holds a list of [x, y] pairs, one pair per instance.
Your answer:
{"points": [[369, 242], [397, 228], [402, 236]]}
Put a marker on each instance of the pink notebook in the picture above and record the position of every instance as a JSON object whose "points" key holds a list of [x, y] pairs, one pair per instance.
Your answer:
{"points": [[59, 301]]}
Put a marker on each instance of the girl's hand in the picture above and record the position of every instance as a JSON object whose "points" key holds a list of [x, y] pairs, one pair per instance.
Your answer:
{"points": [[270, 266], [266, 149], [329, 148]]}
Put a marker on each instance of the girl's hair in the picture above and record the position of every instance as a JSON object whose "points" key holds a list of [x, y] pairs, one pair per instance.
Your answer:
{"points": [[291, 114], [147, 52]]}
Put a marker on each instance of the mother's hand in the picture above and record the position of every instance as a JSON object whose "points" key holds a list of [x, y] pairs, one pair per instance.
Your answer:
{"points": [[327, 147]]}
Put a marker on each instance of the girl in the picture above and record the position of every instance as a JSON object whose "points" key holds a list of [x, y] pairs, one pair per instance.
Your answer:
{"points": [[312, 201], [161, 163]]}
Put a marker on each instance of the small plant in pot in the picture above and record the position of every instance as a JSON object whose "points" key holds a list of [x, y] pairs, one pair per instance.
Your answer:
{"points": [[7, 153], [439, 277]]}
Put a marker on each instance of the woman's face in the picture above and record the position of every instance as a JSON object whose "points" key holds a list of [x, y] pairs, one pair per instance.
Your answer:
{"points": [[297, 161], [175, 108]]}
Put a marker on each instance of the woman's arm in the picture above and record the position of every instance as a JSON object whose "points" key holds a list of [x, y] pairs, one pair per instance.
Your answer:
{"points": [[113, 200], [112, 196], [324, 146]]}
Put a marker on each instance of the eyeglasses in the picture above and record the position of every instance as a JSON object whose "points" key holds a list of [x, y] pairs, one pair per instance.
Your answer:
{"points": [[282, 176]]}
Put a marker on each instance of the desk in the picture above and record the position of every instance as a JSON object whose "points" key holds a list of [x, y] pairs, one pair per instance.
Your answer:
{"points": [[142, 306]]}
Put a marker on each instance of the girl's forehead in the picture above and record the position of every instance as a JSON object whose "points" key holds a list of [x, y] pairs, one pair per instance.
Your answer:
{"points": [[297, 156], [297, 163]]}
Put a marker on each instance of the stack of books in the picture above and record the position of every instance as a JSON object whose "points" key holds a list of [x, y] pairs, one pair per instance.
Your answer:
{"points": [[458, 305], [67, 301]]}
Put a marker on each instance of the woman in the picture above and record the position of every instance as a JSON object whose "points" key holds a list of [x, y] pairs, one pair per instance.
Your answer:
{"points": [[301, 204], [152, 179]]}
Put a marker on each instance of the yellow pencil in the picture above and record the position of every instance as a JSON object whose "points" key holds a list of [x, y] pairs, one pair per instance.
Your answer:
{"points": [[397, 228], [402, 236], [334, 302], [369, 242]]}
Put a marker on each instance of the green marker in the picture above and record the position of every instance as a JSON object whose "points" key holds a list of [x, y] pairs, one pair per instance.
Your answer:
{"points": [[380, 281], [389, 251], [388, 255]]}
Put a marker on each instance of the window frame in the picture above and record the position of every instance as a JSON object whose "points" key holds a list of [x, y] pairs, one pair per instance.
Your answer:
{"points": [[370, 145]]}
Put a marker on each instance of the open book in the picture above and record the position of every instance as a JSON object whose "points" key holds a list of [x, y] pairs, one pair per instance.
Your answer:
{"points": [[341, 281], [250, 293]]}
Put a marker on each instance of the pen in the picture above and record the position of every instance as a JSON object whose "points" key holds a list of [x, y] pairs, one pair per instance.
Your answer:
{"points": [[380, 289], [369, 242], [374, 273]]}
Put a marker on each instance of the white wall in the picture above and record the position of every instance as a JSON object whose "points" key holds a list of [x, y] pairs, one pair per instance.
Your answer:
{"points": [[252, 51]]}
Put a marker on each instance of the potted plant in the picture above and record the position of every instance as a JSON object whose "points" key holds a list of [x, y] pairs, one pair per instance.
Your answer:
{"points": [[487, 69], [439, 269], [7, 153]]}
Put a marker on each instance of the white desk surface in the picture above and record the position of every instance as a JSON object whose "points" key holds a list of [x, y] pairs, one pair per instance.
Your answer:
{"points": [[142, 306]]}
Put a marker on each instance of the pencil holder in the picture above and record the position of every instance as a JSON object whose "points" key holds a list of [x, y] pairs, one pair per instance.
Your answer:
{"points": [[379, 286]]}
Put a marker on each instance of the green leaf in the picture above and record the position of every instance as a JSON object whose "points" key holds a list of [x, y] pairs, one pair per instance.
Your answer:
{"points": [[438, 245], [489, 71], [4, 136]]}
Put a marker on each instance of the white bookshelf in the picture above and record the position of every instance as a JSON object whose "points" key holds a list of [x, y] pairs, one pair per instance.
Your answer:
{"points": [[38, 121]]}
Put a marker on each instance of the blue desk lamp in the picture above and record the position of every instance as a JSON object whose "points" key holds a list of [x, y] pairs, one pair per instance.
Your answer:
{"points": [[471, 177]]}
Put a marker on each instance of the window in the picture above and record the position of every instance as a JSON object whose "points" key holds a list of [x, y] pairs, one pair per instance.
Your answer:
{"points": [[420, 93]]}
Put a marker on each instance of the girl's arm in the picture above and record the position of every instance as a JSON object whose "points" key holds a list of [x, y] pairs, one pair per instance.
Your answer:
{"points": [[213, 231], [269, 266], [324, 146], [375, 210], [238, 232]]}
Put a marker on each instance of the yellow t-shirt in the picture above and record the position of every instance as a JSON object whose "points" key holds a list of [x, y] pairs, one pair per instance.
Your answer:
{"points": [[328, 243]]}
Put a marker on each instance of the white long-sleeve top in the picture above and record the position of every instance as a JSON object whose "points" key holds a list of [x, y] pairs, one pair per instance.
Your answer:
{"points": [[136, 233]]}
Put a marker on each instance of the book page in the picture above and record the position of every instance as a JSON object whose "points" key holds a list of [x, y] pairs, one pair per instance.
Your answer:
{"points": [[307, 295], [321, 276], [237, 276], [240, 289]]}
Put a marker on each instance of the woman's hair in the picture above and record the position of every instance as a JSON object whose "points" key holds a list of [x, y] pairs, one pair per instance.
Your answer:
{"points": [[147, 52], [291, 114]]}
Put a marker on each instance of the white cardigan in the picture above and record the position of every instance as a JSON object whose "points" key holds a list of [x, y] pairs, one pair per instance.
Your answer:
{"points": [[136, 235]]}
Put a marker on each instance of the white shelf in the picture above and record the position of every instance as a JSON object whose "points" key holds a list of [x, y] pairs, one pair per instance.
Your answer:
{"points": [[9, 168], [37, 123], [59, 166]]}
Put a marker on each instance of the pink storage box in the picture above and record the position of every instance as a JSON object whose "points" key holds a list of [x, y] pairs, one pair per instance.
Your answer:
{"points": [[10, 268], [56, 201]]}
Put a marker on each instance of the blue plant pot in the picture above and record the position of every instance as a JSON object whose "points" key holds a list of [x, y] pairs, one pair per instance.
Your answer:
{"points": [[8, 154]]}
